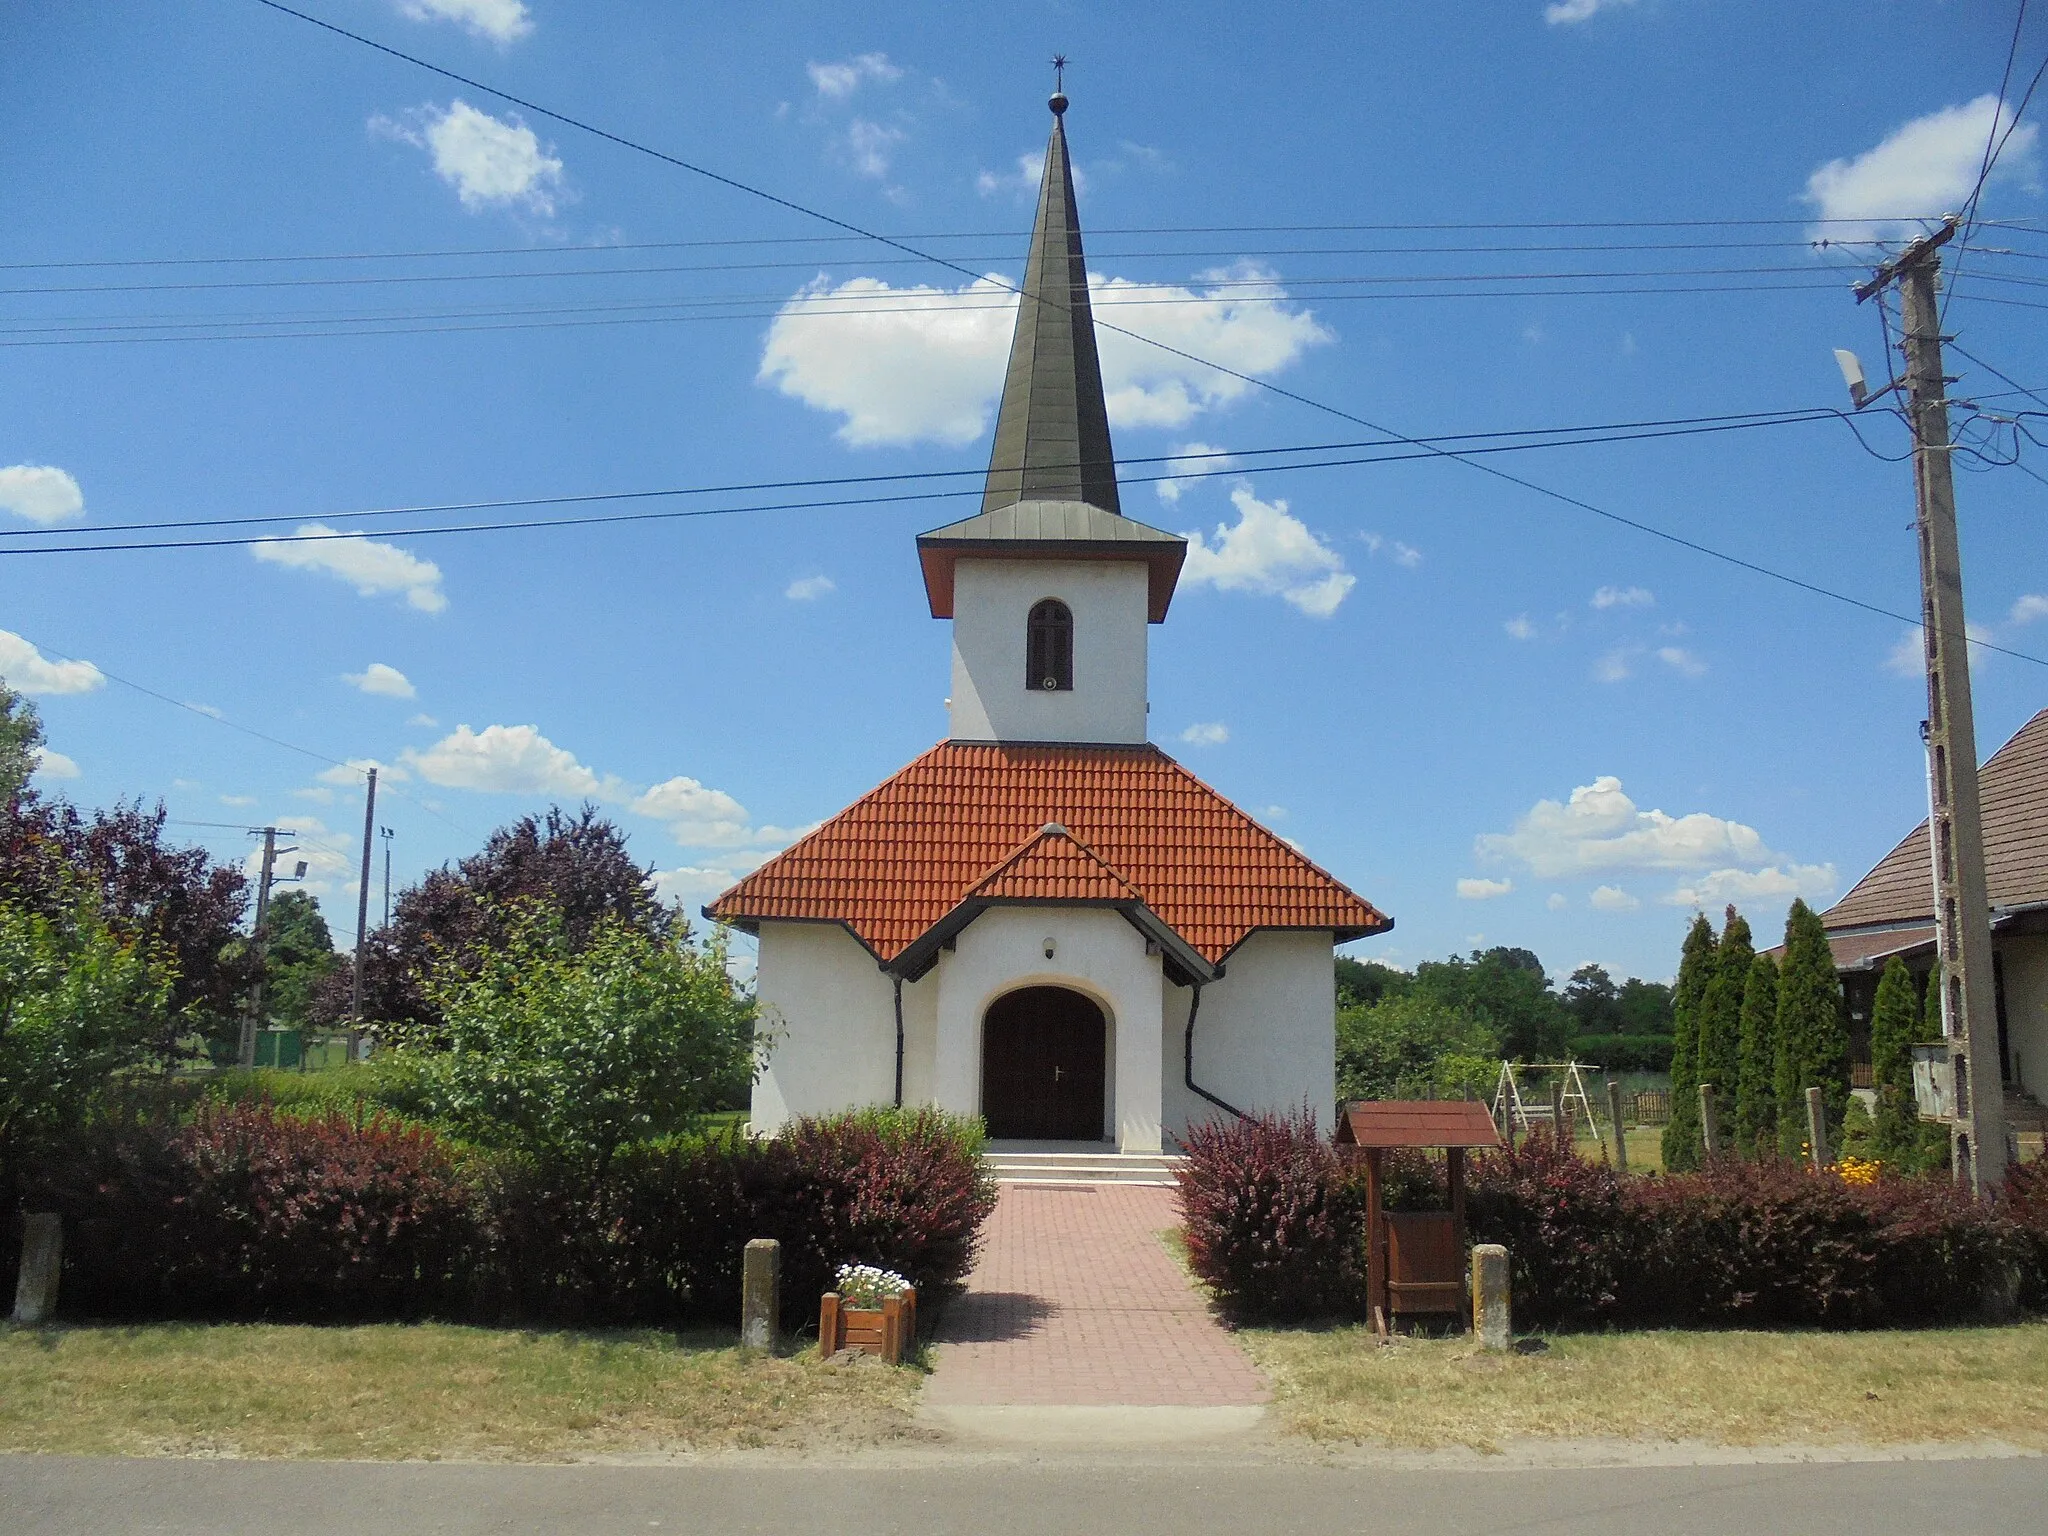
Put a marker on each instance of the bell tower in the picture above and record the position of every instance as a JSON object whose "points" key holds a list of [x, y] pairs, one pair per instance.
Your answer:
{"points": [[1050, 587]]}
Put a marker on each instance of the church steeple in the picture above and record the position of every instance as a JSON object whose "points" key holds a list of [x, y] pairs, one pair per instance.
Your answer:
{"points": [[1052, 432]]}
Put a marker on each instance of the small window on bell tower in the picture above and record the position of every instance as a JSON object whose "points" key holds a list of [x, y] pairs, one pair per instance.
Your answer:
{"points": [[1049, 647]]}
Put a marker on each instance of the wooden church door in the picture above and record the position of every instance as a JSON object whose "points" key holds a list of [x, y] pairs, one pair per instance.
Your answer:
{"points": [[1044, 1061]]}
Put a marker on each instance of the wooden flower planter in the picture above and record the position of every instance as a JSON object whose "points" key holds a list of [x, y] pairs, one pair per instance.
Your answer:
{"points": [[890, 1332]]}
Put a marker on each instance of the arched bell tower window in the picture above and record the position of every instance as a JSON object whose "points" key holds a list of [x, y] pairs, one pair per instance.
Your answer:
{"points": [[1049, 647]]}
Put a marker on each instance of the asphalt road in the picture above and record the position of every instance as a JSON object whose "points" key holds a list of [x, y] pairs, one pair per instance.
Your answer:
{"points": [[43, 1496]]}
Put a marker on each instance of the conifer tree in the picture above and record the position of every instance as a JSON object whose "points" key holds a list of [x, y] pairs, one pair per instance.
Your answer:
{"points": [[1756, 1094], [1720, 1016], [1813, 1039], [1893, 1023], [1695, 971]]}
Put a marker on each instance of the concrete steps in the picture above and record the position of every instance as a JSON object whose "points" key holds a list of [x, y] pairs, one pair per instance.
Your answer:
{"points": [[1068, 1163]]}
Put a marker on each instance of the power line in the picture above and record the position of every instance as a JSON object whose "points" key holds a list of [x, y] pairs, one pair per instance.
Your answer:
{"points": [[1248, 379], [1176, 474], [1226, 458]]}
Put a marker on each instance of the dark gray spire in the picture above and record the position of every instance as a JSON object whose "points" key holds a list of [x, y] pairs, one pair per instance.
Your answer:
{"points": [[1052, 434]]}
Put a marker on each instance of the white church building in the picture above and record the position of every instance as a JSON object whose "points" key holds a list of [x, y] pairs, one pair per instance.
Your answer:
{"points": [[1045, 920]]}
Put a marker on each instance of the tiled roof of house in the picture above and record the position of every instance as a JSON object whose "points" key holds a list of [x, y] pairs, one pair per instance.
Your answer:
{"points": [[968, 820], [2013, 792]]}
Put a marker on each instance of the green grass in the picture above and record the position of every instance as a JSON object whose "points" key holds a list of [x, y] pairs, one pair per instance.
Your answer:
{"points": [[391, 1392], [1730, 1388]]}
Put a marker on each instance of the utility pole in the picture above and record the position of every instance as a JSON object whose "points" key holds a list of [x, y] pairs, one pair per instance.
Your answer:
{"points": [[259, 938], [387, 834], [355, 1018], [1962, 901]]}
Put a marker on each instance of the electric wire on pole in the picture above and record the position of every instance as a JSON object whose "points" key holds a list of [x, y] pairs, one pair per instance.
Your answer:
{"points": [[259, 940], [1962, 903]]}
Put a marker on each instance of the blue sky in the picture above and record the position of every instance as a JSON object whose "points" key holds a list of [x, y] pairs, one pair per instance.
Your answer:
{"points": [[1501, 719]]}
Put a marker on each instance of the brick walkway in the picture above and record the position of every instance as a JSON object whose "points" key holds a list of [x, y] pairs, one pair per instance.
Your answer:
{"points": [[1077, 1301]]}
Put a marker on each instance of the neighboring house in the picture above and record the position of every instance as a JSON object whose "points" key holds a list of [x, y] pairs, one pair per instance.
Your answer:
{"points": [[1044, 919], [1891, 912]]}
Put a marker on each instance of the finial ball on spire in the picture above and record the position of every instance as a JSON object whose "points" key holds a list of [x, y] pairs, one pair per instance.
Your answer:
{"points": [[1058, 100]]}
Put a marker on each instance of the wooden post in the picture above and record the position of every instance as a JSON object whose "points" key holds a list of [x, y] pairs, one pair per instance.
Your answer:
{"points": [[1620, 1130], [828, 1325], [1557, 1111], [1375, 1244], [892, 1330], [760, 1293], [1817, 1128], [42, 1264], [1710, 1121], [1491, 1319]]}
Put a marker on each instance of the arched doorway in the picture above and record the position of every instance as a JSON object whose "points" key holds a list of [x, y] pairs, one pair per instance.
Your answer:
{"points": [[1044, 1056]]}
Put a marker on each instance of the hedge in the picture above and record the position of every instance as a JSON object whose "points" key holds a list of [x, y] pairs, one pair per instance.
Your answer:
{"points": [[1275, 1225], [245, 1212]]}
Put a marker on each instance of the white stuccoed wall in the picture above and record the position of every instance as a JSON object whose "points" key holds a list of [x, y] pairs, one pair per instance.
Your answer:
{"points": [[1266, 1038], [2025, 964], [1095, 952], [992, 601], [836, 1015]]}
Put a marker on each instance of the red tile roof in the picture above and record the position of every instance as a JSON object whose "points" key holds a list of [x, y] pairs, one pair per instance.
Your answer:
{"points": [[968, 820], [2013, 795]]}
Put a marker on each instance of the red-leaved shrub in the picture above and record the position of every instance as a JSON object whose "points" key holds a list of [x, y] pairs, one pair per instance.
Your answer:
{"points": [[1568, 1232], [1274, 1220], [247, 1213]]}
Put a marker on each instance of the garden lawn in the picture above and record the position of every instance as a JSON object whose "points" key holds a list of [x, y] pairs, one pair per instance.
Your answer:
{"points": [[391, 1392], [1725, 1388]]}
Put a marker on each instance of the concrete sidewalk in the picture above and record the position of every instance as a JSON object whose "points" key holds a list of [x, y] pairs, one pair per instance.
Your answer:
{"points": [[1077, 1302]]}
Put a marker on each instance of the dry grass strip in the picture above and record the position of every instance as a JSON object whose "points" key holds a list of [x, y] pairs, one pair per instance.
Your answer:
{"points": [[428, 1392], [1743, 1389]]}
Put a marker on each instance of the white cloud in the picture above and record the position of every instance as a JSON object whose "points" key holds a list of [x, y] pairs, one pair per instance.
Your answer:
{"points": [[1924, 168], [239, 802], [27, 670], [1624, 597], [695, 884], [806, 589], [1483, 890], [839, 80], [697, 815], [373, 569], [1272, 552], [1600, 829], [1209, 733], [41, 493], [1557, 901], [502, 21], [1407, 556], [421, 719], [1612, 898], [54, 765], [1613, 667], [869, 144], [1568, 13], [1908, 658], [1519, 628], [2029, 608], [212, 711], [1776, 882], [925, 364], [505, 760], [489, 161], [380, 679], [1682, 661], [1188, 459], [1024, 181], [350, 774]]}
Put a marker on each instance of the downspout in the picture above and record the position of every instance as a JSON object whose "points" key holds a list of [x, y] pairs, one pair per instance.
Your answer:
{"points": [[899, 1042], [1195, 1007]]}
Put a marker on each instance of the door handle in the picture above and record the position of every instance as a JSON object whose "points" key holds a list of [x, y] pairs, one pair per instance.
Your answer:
{"points": [[1055, 1074]]}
